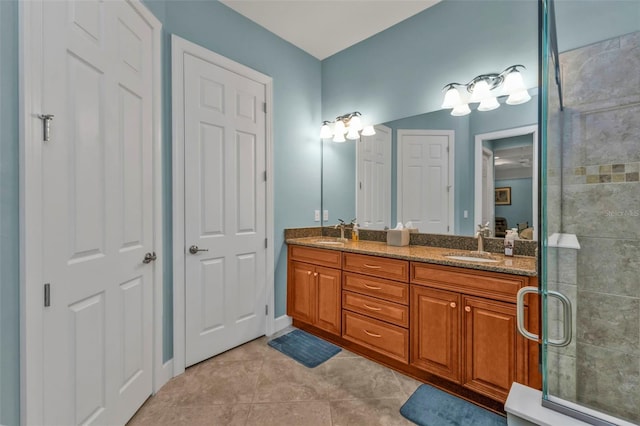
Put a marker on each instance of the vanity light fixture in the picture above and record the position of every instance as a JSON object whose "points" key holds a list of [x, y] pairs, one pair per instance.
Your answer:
{"points": [[349, 125], [480, 90]]}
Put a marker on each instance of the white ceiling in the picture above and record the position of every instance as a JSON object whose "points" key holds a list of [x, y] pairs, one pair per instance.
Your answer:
{"points": [[324, 27]]}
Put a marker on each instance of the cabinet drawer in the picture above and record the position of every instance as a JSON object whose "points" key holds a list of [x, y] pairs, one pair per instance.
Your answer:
{"points": [[386, 339], [393, 269], [481, 283], [330, 258], [392, 291], [376, 308]]}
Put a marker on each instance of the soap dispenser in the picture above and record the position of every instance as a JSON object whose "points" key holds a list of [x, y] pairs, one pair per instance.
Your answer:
{"points": [[355, 233]]}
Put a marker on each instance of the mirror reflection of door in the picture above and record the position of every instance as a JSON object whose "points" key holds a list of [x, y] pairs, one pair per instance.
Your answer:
{"points": [[373, 183], [425, 179], [514, 167], [488, 188]]}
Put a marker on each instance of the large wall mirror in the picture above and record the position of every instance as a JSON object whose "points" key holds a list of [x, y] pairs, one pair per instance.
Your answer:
{"points": [[433, 164]]}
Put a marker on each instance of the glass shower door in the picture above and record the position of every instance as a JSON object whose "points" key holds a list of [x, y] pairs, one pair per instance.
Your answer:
{"points": [[590, 214]]}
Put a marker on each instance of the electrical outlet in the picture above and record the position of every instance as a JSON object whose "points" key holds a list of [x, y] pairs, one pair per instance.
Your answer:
{"points": [[466, 214], [325, 215], [316, 216]]}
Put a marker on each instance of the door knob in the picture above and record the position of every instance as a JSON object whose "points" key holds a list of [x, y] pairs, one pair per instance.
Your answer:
{"points": [[194, 249], [149, 257]]}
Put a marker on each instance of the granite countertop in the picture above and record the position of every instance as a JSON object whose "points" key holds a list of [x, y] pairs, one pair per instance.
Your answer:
{"points": [[516, 265]]}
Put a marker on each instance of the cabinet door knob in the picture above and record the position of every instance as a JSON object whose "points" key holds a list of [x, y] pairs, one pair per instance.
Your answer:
{"points": [[467, 308], [452, 304], [315, 274], [308, 272]]}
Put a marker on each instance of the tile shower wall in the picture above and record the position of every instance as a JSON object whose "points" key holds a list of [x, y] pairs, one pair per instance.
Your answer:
{"points": [[601, 204]]}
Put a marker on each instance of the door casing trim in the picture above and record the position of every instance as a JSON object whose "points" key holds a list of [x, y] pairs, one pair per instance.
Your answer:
{"points": [[179, 47], [31, 210]]}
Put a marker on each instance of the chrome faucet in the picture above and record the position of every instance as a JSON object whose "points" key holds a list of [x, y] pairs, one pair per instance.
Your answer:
{"points": [[482, 232], [341, 224]]}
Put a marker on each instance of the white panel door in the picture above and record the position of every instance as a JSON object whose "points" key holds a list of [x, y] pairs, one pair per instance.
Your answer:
{"points": [[424, 187], [225, 208], [373, 208], [97, 217]]}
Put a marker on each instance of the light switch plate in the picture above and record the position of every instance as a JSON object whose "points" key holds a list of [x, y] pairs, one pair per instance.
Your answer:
{"points": [[325, 215], [316, 216]]}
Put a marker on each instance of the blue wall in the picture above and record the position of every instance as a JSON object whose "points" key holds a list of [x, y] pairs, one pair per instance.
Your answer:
{"points": [[374, 76], [296, 93], [400, 72], [396, 78], [521, 209], [296, 90]]}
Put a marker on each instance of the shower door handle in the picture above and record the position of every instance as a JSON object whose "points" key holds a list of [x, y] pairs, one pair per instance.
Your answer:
{"points": [[567, 317], [567, 325], [520, 313]]}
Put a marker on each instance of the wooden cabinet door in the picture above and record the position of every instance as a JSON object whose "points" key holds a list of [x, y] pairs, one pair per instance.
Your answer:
{"points": [[435, 331], [328, 299], [301, 292], [490, 339]]}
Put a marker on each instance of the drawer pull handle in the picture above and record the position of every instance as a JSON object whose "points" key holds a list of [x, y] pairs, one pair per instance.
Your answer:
{"points": [[371, 334], [467, 308], [452, 304], [366, 265], [371, 307], [370, 287]]}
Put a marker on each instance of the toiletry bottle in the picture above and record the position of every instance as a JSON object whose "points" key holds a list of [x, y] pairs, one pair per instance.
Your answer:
{"points": [[509, 242], [355, 233]]}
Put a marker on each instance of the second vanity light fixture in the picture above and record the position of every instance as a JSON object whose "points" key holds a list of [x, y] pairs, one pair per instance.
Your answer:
{"points": [[350, 124], [480, 89]]}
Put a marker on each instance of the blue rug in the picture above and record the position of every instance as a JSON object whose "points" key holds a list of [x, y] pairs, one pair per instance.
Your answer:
{"points": [[308, 350], [429, 406]]}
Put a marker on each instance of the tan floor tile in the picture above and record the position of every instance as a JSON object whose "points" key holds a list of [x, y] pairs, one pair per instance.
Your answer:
{"points": [[407, 384], [310, 413], [157, 415], [359, 378], [254, 350], [208, 383], [288, 380], [369, 412]]}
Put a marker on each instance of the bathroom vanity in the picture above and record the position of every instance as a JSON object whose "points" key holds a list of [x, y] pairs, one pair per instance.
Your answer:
{"points": [[447, 322]]}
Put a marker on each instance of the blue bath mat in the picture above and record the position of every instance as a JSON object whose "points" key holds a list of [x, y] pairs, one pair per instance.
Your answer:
{"points": [[308, 350], [429, 406]]}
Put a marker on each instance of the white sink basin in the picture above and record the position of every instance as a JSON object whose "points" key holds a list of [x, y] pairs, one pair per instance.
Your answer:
{"points": [[329, 243], [471, 257]]}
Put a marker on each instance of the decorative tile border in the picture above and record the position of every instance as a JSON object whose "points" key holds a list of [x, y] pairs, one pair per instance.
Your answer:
{"points": [[602, 173]]}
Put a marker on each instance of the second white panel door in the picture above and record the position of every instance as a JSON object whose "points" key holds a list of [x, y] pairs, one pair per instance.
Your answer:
{"points": [[225, 189], [425, 179]]}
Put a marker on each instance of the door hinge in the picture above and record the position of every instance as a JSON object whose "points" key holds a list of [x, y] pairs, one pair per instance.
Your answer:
{"points": [[447, 148], [360, 185], [266, 309], [447, 228], [264, 107], [265, 243], [264, 175], [47, 295]]}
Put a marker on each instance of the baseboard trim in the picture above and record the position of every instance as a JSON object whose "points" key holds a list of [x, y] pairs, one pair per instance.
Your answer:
{"points": [[281, 323]]}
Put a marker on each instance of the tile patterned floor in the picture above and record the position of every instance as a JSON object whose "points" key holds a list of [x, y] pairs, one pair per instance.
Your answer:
{"points": [[257, 385]]}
